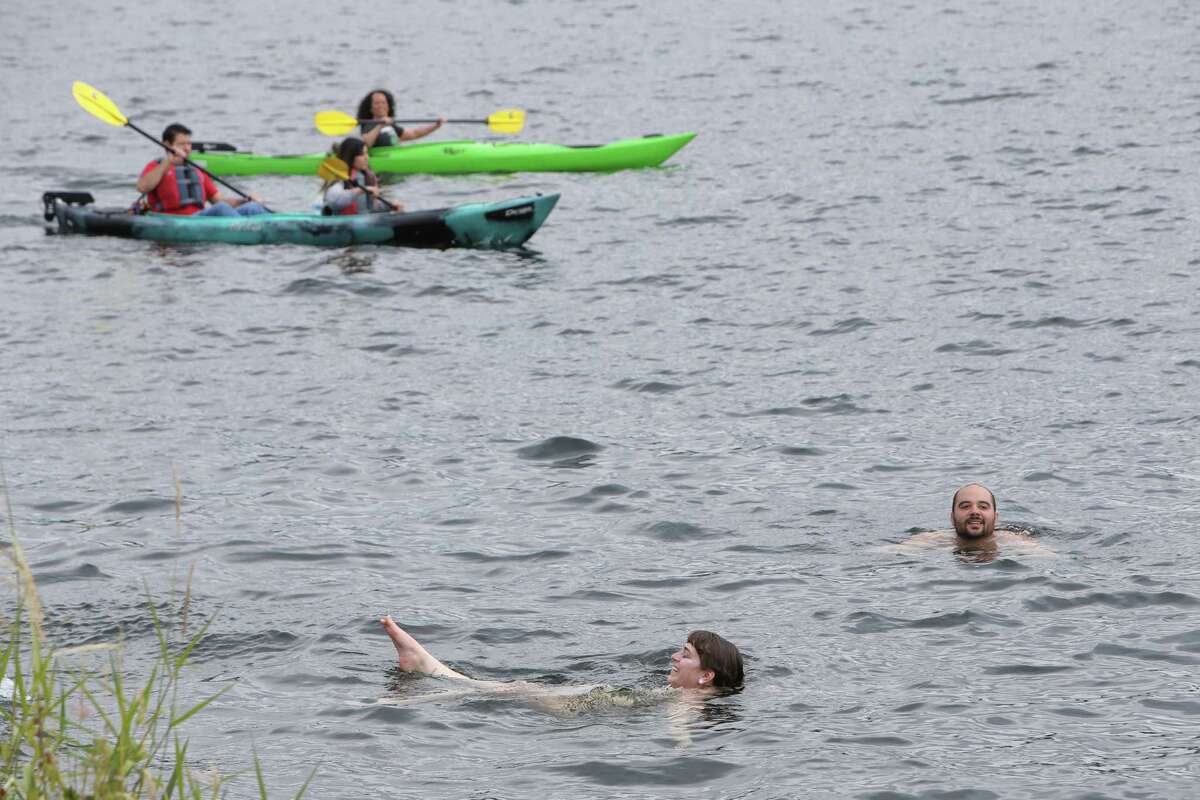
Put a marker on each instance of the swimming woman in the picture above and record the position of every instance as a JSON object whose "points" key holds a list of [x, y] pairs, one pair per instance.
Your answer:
{"points": [[360, 194], [377, 120], [706, 665]]}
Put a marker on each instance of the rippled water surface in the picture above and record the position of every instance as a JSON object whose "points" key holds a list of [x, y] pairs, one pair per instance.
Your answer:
{"points": [[912, 246]]}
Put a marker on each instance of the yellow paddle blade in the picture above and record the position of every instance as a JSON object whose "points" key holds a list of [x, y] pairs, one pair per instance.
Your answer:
{"points": [[334, 123], [97, 104], [333, 169], [510, 120]]}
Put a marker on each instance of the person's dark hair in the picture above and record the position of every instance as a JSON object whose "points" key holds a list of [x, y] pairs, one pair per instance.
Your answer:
{"points": [[349, 149], [364, 108], [721, 656], [954, 500], [173, 130]]}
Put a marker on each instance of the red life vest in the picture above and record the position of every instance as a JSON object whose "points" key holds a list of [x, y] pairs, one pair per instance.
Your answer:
{"points": [[182, 190]]}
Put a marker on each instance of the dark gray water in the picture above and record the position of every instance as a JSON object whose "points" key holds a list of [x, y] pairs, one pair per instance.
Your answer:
{"points": [[912, 246]]}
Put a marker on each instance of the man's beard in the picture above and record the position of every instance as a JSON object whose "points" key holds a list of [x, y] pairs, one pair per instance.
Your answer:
{"points": [[984, 530]]}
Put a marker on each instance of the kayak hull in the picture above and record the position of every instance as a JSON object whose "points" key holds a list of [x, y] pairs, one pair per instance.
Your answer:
{"points": [[464, 158], [489, 226]]}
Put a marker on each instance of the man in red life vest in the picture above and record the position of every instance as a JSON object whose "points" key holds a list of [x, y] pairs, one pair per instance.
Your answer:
{"points": [[173, 187]]}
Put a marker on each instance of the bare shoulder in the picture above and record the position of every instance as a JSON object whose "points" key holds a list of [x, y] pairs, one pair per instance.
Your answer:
{"points": [[922, 541], [1023, 542]]}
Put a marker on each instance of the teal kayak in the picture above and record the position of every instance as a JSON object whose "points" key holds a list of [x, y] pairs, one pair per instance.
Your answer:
{"points": [[491, 226], [458, 158]]}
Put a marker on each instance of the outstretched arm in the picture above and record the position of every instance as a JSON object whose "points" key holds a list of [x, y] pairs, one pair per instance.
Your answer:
{"points": [[417, 133]]}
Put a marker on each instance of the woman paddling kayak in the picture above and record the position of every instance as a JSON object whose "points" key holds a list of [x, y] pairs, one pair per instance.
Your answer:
{"points": [[377, 120], [359, 193]]}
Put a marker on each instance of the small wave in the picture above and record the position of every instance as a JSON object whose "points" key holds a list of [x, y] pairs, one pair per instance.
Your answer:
{"points": [[711, 219], [870, 622], [976, 347], [316, 286], [682, 771], [1049, 602], [1189, 708], [737, 586], [985, 98], [598, 494], [1143, 654], [141, 505], [591, 596], [838, 404], [84, 572], [1037, 477], [386, 714], [61, 505], [1027, 669], [802, 451], [558, 448], [1050, 322], [658, 583], [1075, 712], [667, 531], [650, 387], [256, 555], [843, 326], [394, 349], [874, 741], [1141, 212], [484, 558], [514, 635], [229, 645]]}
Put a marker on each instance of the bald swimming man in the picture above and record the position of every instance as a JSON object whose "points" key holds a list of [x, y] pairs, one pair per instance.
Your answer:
{"points": [[973, 517]]}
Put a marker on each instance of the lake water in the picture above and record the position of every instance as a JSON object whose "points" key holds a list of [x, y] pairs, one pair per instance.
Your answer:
{"points": [[913, 246]]}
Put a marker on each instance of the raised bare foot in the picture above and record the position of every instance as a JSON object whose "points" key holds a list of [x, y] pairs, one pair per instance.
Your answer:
{"points": [[413, 657]]}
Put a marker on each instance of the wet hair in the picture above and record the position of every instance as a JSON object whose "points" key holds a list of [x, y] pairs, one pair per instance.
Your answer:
{"points": [[721, 656], [173, 130], [364, 108], [954, 500]]}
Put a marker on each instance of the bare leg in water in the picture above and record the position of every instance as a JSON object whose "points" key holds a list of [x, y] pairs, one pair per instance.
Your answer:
{"points": [[413, 657]]}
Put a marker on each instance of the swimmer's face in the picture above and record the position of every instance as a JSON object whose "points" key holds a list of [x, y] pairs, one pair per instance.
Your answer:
{"points": [[974, 514], [686, 672]]}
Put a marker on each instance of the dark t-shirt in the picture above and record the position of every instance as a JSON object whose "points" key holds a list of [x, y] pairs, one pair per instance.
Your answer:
{"points": [[388, 137]]}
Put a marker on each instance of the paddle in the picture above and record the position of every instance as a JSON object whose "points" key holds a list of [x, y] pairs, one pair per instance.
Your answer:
{"points": [[335, 123], [96, 103], [334, 169]]}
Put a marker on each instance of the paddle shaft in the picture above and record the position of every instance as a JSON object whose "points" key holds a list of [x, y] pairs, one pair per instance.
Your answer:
{"points": [[193, 164], [414, 121], [378, 196]]}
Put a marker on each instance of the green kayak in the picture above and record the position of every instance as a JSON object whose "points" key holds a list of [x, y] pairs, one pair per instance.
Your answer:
{"points": [[493, 226], [459, 158]]}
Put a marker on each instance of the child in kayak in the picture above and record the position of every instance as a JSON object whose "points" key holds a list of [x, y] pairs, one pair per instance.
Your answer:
{"points": [[377, 120], [359, 194]]}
